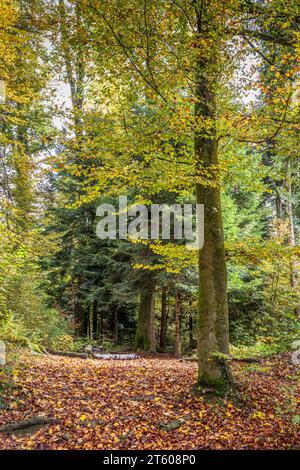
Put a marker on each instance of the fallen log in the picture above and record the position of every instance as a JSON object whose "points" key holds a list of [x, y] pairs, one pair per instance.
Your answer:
{"points": [[115, 356], [68, 354], [95, 355], [247, 359], [26, 423]]}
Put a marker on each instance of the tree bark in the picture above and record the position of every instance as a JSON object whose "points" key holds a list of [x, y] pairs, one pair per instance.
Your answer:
{"points": [[80, 319], [101, 327], [115, 326], [163, 320], [145, 335], [91, 322], [178, 325], [191, 337], [292, 238], [95, 321], [212, 319]]}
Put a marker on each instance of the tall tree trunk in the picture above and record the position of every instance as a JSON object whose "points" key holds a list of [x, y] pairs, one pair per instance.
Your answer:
{"points": [[191, 337], [101, 327], [91, 322], [212, 319], [80, 318], [178, 325], [22, 191], [163, 320], [145, 335], [115, 326], [292, 238], [98, 327], [95, 320]]}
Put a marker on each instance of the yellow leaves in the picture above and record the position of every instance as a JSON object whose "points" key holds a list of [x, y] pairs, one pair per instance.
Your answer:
{"points": [[148, 267], [14, 406], [82, 418], [230, 409], [258, 415], [224, 437]]}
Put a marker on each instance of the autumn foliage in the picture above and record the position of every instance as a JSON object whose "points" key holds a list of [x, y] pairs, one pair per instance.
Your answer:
{"points": [[149, 404]]}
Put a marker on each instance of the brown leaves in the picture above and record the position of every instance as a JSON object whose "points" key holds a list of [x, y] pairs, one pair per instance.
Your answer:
{"points": [[148, 404]]}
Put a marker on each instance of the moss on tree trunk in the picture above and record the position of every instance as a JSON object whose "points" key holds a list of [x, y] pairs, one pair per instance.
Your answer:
{"points": [[177, 352], [163, 320], [212, 319], [145, 336]]}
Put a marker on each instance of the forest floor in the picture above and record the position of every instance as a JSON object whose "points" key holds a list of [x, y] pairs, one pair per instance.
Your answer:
{"points": [[149, 404]]}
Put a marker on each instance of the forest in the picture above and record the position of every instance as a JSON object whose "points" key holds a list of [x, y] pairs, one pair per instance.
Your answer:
{"points": [[149, 224]]}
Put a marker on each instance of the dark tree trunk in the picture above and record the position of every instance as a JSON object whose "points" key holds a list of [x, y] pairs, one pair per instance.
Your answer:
{"points": [[80, 319], [115, 326], [91, 322], [177, 352], [97, 330], [191, 336], [101, 320], [95, 321], [163, 320]]}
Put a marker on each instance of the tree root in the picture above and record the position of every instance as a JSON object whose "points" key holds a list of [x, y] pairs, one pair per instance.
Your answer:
{"points": [[26, 424]]}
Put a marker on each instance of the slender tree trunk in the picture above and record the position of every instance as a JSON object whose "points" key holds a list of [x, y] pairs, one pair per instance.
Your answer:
{"points": [[145, 335], [95, 320], [22, 191], [100, 326], [80, 317], [178, 325], [292, 238], [115, 326], [212, 320], [191, 337], [91, 322], [163, 320]]}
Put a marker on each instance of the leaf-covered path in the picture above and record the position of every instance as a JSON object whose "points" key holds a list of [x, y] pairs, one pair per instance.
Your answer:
{"points": [[148, 404]]}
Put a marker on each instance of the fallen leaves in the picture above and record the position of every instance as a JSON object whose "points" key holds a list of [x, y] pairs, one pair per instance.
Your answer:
{"points": [[148, 404]]}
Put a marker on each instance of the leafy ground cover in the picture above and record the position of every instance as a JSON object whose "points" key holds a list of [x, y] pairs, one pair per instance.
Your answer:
{"points": [[148, 403]]}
